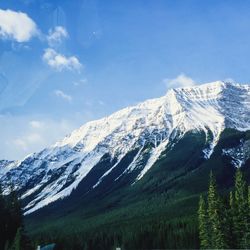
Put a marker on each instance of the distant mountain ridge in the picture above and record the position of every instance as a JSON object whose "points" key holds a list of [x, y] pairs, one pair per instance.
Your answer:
{"points": [[130, 142]]}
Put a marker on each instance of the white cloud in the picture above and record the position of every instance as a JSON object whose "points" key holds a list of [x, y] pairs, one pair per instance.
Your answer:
{"points": [[180, 81], [17, 26], [36, 124], [33, 135], [100, 102], [63, 95], [28, 140], [81, 82], [59, 61], [56, 35], [20, 143]]}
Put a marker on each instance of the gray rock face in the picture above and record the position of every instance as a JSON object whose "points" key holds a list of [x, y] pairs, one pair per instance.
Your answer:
{"points": [[53, 173]]}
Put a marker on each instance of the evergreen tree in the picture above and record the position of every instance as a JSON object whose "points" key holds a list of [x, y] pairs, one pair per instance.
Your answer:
{"points": [[17, 241], [215, 216], [231, 203], [11, 226], [248, 197], [247, 235], [6, 245], [241, 211], [14, 217], [227, 226], [2, 220], [203, 225], [231, 221]]}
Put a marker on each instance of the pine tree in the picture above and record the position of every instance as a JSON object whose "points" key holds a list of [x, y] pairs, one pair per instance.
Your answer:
{"points": [[241, 211], [6, 245], [215, 217], [17, 241], [11, 223], [227, 226], [248, 197], [247, 234], [231, 202], [2, 220], [231, 221], [203, 225], [13, 218]]}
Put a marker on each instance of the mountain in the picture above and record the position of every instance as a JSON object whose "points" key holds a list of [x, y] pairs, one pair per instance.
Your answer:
{"points": [[120, 150]]}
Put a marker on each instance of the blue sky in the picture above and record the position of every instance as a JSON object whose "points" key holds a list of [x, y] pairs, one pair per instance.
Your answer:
{"points": [[65, 62]]}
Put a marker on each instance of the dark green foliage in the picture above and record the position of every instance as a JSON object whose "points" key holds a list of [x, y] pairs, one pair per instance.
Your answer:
{"points": [[204, 234], [248, 198], [12, 236], [248, 220], [155, 234], [159, 211], [16, 245], [227, 221], [231, 220], [215, 217], [241, 211]]}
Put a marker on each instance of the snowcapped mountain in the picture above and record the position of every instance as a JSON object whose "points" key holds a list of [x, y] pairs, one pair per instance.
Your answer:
{"points": [[129, 142]]}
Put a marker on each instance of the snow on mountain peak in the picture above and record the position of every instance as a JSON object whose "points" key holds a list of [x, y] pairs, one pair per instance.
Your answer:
{"points": [[175, 100], [209, 107]]}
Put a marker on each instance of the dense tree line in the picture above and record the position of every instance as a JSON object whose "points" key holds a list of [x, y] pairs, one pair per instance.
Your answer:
{"points": [[225, 222], [157, 235], [12, 236]]}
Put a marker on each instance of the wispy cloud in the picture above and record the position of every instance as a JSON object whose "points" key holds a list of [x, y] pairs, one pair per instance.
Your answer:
{"points": [[59, 62], [28, 140], [180, 81], [56, 35], [36, 124], [34, 134], [100, 102], [17, 26], [80, 82], [63, 95]]}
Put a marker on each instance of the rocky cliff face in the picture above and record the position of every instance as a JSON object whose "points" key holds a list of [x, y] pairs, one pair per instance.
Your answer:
{"points": [[133, 138]]}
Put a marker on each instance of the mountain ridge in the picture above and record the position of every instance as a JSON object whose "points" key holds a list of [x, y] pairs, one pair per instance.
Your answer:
{"points": [[55, 172]]}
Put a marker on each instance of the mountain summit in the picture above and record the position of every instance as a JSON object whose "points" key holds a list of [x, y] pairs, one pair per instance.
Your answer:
{"points": [[128, 143]]}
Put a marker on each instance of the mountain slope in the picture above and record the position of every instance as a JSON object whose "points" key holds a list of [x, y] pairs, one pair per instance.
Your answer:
{"points": [[167, 195], [121, 149]]}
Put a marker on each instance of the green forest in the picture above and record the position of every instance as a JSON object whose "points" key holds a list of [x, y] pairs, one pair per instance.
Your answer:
{"points": [[13, 236], [225, 222], [222, 222]]}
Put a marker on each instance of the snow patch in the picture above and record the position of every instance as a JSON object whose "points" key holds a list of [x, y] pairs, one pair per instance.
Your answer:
{"points": [[210, 108]]}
